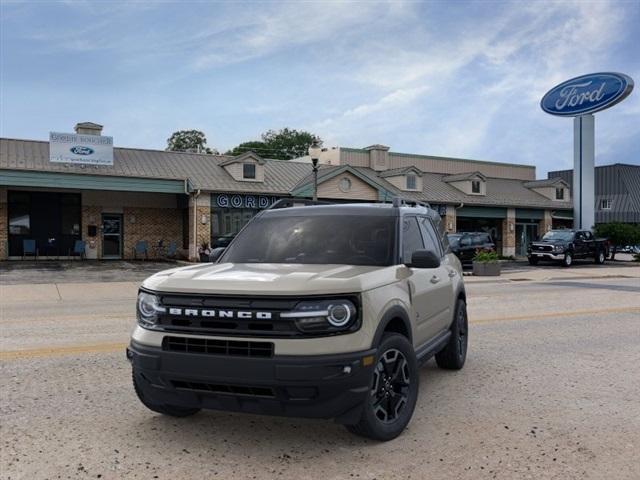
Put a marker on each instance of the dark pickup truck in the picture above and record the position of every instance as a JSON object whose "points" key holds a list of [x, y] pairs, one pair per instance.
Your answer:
{"points": [[565, 246]]}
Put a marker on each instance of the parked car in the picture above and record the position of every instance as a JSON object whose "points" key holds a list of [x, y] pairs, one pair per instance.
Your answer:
{"points": [[564, 246], [294, 320], [465, 244]]}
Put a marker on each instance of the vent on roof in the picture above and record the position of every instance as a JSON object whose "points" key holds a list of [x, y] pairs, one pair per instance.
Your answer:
{"points": [[88, 128]]}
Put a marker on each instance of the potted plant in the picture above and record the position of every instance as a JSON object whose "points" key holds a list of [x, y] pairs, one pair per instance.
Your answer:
{"points": [[204, 251], [486, 264]]}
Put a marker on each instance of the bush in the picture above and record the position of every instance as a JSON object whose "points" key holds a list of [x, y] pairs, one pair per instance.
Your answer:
{"points": [[618, 234], [485, 257]]}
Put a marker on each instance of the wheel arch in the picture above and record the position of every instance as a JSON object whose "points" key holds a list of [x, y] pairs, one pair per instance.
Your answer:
{"points": [[395, 320]]}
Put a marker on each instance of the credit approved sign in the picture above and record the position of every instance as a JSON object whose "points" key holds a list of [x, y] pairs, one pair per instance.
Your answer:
{"points": [[80, 149]]}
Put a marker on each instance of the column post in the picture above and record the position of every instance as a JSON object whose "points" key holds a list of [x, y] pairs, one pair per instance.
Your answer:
{"points": [[583, 172], [509, 233]]}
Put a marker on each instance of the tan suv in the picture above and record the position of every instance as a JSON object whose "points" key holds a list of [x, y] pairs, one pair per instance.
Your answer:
{"points": [[321, 311]]}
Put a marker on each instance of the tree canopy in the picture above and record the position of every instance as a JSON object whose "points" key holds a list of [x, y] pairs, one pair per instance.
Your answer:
{"points": [[283, 144], [619, 234], [188, 141]]}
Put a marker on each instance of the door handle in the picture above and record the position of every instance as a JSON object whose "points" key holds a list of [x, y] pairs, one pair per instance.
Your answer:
{"points": [[435, 279]]}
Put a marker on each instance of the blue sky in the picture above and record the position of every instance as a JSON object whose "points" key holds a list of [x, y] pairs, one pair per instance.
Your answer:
{"points": [[460, 79]]}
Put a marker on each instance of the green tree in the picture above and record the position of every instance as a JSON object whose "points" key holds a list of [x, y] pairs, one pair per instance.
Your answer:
{"points": [[283, 144], [188, 141], [255, 146], [619, 234]]}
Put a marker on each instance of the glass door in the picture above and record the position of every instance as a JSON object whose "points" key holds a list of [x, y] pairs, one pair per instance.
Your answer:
{"points": [[525, 234], [111, 235]]}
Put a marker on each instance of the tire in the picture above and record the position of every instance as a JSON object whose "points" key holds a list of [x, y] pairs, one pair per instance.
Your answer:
{"points": [[567, 261], [600, 257], [170, 410], [454, 354], [533, 261], [393, 393]]}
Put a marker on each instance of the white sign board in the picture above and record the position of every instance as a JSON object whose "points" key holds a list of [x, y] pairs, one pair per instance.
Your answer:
{"points": [[80, 149]]}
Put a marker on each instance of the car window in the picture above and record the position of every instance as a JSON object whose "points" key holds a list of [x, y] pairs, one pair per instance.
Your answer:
{"points": [[465, 241], [588, 236], [411, 238], [431, 241], [579, 236]]}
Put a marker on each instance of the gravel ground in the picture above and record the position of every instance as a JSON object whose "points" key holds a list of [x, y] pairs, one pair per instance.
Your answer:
{"points": [[549, 391]]}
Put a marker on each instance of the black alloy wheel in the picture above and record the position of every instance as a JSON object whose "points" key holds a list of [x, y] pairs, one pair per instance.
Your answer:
{"points": [[391, 382], [454, 354]]}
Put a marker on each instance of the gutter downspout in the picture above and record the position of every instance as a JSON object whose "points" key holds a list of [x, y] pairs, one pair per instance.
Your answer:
{"points": [[195, 225]]}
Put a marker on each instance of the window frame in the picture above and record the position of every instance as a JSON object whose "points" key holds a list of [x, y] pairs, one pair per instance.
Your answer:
{"points": [[607, 202], [473, 184], [414, 178], [244, 171], [424, 223], [559, 193], [403, 218]]}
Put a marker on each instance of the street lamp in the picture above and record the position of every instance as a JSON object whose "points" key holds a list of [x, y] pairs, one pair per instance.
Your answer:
{"points": [[314, 153]]}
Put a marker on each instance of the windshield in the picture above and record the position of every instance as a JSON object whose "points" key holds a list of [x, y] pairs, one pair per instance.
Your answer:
{"points": [[454, 240], [558, 235], [317, 239]]}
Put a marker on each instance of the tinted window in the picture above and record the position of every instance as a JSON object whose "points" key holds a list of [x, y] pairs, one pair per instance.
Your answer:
{"points": [[317, 239], [566, 236], [411, 238], [454, 240], [465, 241], [430, 239]]}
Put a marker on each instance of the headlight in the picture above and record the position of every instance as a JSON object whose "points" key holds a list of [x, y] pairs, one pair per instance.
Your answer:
{"points": [[148, 308], [324, 316], [558, 248]]}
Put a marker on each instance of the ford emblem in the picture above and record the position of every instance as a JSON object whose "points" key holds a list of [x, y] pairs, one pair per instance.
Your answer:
{"points": [[587, 94], [78, 150]]}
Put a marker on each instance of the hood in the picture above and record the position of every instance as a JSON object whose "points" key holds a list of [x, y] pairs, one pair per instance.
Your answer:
{"points": [[271, 279]]}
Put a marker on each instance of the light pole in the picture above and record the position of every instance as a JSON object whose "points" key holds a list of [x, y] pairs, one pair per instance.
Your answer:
{"points": [[314, 153]]}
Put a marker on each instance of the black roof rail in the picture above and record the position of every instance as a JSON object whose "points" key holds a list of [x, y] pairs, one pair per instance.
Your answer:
{"points": [[401, 201], [297, 202]]}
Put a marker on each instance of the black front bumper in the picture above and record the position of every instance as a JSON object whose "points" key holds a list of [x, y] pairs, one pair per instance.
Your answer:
{"points": [[325, 386]]}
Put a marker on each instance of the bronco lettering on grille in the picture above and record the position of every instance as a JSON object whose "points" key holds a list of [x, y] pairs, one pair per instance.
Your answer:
{"points": [[241, 314]]}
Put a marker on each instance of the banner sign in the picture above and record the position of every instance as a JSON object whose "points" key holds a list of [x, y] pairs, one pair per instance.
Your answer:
{"points": [[587, 94], [239, 200], [80, 149]]}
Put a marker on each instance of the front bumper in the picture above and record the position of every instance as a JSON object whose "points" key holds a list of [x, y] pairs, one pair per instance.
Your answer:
{"points": [[546, 255], [324, 386]]}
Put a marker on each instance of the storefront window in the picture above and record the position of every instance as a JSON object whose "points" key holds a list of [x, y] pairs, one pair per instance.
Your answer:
{"points": [[19, 214], [227, 222], [70, 214]]}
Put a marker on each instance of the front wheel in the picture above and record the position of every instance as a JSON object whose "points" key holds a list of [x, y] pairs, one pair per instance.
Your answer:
{"points": [[600, 257], [394, 391], [567, 261]]}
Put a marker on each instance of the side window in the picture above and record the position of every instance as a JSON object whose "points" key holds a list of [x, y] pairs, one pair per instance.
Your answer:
{"points": [[411, 238], [579, 236], [430, 238], [588, 236]]}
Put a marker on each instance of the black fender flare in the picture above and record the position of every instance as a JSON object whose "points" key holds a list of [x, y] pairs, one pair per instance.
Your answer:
{"points": [[396, 311]]}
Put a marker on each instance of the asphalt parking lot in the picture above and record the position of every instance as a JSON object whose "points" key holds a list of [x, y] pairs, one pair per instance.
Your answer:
{"points": [[550, 390]]}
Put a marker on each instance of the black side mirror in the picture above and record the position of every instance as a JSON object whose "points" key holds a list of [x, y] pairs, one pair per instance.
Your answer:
{"points": [[216, 253], [424, 259]]}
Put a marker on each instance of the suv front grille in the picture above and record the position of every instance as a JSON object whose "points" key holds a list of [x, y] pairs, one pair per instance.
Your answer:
{"points": [[224, 389], [218, 347]]}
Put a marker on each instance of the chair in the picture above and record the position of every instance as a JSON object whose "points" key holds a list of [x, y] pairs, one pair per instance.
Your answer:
{"points": [[141, 248], [29, 248], [172, 249], [78, 249]]}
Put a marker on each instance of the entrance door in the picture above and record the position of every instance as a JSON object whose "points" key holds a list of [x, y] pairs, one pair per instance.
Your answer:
{"points": [[525, 234], [111, 235]]}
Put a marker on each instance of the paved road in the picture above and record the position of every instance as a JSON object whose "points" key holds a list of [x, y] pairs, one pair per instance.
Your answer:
{"points": [[550, 390]]}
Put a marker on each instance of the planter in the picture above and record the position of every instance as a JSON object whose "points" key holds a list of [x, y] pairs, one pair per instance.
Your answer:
{"points": [[486, 269]]}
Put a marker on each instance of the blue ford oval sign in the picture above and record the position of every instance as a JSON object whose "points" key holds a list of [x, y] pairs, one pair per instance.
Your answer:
{"points": [[587, 94], [79, 150]]}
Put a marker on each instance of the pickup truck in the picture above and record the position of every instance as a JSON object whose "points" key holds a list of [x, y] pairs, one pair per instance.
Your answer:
{"points": [[566, 245]]}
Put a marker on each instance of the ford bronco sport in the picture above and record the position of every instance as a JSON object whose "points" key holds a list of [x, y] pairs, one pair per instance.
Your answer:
{"points": [[322, 311]]}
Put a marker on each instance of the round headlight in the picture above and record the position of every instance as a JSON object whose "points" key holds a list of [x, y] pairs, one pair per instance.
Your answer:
{"points": [[148, 309], [339, 314]]}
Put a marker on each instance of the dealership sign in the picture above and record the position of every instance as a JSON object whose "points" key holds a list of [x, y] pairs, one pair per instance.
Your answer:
{"points": [[587, 94], [80, 149], [243, 201]]}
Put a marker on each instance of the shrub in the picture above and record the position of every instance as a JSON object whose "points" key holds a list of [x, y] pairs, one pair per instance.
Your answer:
{"points": [[485, 257]]}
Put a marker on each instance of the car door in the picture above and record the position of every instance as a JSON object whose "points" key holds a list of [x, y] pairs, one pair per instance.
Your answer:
{"points": [[579, 245], [427, 286]]}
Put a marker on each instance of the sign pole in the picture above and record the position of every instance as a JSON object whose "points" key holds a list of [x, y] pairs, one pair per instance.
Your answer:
{"points": [[583, 172]]}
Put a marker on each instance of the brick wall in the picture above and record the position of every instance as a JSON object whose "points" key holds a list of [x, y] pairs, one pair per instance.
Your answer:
{"points": [[152, 225], [202, 206], [450, 223], [91, 215], [509, 233]]}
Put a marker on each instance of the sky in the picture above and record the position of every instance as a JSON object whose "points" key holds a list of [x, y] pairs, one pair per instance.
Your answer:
{"points": [[447, 78]]}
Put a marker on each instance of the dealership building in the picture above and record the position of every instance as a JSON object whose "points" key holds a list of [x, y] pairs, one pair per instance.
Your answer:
{"points": [[79, 187]]}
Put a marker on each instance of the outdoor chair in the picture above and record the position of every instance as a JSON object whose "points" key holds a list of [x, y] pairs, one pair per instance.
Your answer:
{"points": [[141, 248], [172, 249], [78, 249], [29, 248]]}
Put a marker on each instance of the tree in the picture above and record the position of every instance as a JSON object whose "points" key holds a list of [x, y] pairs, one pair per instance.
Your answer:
{"points": [[619, 234], [283, 144], [188, 141], [255, 146]]}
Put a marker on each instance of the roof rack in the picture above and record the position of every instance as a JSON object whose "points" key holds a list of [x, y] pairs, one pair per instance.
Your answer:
{"points": [[296, 202], [400, 201]]}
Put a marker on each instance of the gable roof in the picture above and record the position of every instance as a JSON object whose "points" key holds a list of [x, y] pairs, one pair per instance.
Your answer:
{"points": [[396, 172], [243, 157], [326, 172], [547, 182], [459, 177]]}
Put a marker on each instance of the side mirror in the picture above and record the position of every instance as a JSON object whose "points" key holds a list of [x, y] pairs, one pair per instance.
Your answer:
{"points": [[216, 253], [424, 259]]}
